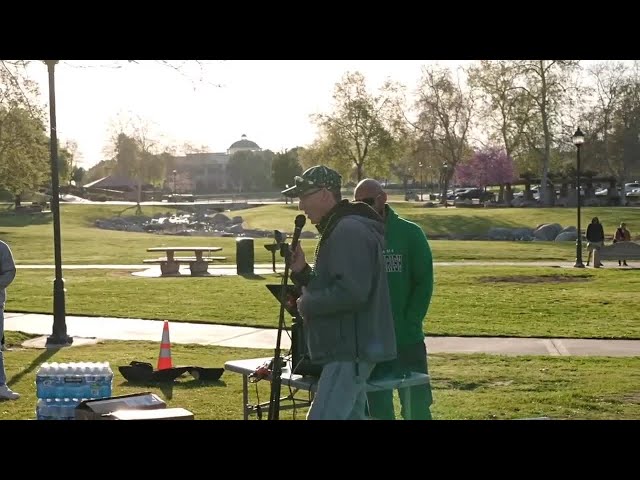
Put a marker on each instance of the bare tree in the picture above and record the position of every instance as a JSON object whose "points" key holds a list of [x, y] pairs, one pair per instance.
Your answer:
{"points": [[445, 111], [506, 109], [610, 79], [545, 83]]}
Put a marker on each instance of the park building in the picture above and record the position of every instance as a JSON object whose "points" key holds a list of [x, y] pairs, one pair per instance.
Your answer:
{"points": [[207, 172]]}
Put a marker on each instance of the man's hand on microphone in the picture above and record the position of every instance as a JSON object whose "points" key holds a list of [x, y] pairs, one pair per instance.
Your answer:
{"points": [[300, 303], [298, 261]]}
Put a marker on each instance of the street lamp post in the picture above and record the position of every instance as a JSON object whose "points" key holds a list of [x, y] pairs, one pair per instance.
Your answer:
{"points": [[421, 181], [578, 140], [175, 172], [445, 172], [59, 335]]}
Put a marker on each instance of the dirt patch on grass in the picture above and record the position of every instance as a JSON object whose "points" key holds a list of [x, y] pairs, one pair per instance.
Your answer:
{"points": [[632, 398], [537, 279]]}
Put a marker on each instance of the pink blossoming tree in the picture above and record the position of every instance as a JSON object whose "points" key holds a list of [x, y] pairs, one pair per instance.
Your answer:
{"points": [[489, 166]]}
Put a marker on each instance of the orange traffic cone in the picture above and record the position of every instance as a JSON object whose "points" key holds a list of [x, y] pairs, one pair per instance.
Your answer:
{"points": [[164, 359]]}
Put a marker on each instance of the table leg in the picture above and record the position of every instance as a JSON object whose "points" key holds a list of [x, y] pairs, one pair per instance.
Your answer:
{"points": [[199, 267], [245, 396], [407, 403], [170, 268]]}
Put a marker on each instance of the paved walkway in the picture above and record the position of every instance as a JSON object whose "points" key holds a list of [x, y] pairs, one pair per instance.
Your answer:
{"points": [[89, 329]]}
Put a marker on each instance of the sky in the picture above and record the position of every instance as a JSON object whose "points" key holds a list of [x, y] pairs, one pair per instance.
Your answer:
{"points": [[209, 104]]}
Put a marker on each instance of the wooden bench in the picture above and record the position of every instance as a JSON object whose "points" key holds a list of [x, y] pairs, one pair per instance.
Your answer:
{"points": [[616, 251], [170, 264]]}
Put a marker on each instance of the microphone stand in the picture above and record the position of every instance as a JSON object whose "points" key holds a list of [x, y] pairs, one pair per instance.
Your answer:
{"points": [[276, 370]]}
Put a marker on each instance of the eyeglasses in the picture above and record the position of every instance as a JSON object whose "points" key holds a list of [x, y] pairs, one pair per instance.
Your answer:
{"points": [[308, 194]]}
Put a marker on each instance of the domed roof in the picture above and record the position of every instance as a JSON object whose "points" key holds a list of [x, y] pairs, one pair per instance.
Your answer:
{"points": [[244, 143]]}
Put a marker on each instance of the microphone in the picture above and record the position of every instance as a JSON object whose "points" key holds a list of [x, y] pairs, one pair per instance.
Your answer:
{"points": [[299, 222]]}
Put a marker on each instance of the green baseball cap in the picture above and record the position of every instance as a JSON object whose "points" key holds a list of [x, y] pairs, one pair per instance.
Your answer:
{"points": [[314, 178]]}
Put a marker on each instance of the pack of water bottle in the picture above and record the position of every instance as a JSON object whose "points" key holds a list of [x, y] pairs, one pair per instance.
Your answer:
{"points": [[60, 387]]}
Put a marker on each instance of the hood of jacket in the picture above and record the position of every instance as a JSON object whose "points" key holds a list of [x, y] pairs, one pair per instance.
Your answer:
{"points": [[358, 210]]}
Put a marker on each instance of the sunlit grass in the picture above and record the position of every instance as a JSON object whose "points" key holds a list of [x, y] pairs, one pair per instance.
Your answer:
{"points": [[495, 301], [464, 386]]}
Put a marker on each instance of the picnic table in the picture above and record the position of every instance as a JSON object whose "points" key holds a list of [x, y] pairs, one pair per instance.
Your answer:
{"points": [[300, 383], [198, 263]]}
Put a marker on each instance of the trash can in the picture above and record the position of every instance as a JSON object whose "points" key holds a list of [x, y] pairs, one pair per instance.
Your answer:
{"points": [[244, 256]]}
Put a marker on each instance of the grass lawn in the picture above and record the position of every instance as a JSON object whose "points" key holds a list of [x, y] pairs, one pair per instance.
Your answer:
{"points": [[464, 386], [31, 236], [468, 300]]}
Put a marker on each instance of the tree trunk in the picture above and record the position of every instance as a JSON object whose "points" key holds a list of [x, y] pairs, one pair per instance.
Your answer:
{"points": [[508, 194]]}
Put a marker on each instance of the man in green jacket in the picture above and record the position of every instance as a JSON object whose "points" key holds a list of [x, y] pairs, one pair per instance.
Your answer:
{"points": [[409, 266]]}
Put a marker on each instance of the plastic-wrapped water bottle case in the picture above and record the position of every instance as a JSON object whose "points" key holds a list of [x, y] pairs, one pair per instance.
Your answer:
{"points": [[60, 387]]}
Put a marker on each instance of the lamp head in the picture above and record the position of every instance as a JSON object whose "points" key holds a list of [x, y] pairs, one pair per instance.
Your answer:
{"points": [[578, 137]]}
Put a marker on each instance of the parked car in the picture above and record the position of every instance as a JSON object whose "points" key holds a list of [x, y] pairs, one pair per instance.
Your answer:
{"points": [[478, 193], [630, 187], [535, 192], [411, 195]]}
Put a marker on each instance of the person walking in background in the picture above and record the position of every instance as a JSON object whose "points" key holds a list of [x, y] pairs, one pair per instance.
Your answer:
{"points": [[7, 274], [595, 239], [345, 305], [409, 265], [622, 235]]}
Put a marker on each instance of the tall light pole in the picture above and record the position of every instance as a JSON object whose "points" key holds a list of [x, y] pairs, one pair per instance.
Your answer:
{"points": [[445, 173], [174, 184], [578, 140], [59, 335], [421, 180]]}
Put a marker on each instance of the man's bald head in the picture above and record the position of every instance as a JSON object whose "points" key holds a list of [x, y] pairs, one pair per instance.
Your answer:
{"points": [[367, 187], [370, 191]]}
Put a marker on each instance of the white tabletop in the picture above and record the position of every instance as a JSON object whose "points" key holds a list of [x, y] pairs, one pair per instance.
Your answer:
{"points": [[248, 366]]}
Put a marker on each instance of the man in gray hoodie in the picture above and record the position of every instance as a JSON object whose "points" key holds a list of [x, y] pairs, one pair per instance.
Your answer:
{"points": [[345, 305], [7, 274]]}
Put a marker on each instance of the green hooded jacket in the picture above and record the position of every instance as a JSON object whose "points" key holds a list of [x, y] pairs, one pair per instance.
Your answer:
{"points": [[410, 276]]}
